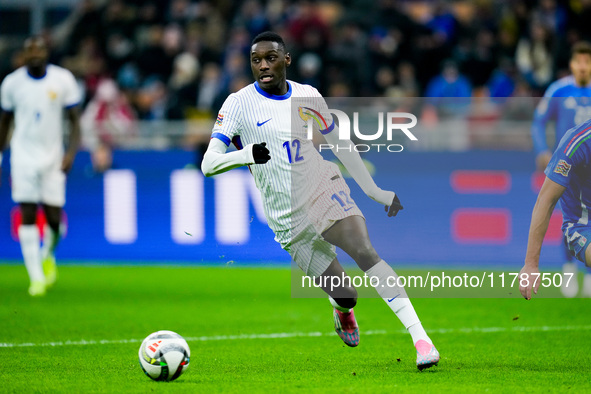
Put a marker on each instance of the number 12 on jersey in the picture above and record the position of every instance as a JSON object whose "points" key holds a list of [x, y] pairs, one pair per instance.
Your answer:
{"points": [[343, 200], [296, 144]]}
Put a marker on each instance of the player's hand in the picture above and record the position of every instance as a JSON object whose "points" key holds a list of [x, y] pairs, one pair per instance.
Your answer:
{"points": [[542, 160], [526, 291], [67, 163], [260, 153], [394, 207]]}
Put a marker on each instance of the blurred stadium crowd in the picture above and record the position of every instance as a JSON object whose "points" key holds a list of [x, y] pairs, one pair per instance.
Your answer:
{"points": [[179, 59]]}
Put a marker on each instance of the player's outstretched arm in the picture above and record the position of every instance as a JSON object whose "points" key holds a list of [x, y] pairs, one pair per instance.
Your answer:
{"points": [[216, 160], [354, 164], [547, 199], [74, 139]]}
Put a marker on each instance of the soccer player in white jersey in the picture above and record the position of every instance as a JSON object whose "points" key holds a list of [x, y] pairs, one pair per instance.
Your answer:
{"points": [[35, 96], [258, 119]]}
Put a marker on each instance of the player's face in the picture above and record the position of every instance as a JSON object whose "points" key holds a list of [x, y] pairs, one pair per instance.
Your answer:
{"points": [[580, 66], [269, 62], [35, 53]]}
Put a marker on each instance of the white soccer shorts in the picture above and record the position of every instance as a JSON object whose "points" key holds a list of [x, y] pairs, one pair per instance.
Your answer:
{"points": [[33, 185], [331, 202]]}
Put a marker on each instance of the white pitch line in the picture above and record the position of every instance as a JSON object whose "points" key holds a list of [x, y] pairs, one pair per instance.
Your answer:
{"points": [[467, 330]]}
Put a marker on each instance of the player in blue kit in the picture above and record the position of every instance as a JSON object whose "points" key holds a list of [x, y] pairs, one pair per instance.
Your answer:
{"points": [[567, 102], [568, 179]]}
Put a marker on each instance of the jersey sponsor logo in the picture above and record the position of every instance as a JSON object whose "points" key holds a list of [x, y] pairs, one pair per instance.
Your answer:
{"points": [[52, 95], [219, 120], [562, 168], [259, 124]]}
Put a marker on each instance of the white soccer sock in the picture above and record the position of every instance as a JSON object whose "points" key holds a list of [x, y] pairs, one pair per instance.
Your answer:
{"points": [[50, 240], [397, 300], [337, 306], [28, 235]]}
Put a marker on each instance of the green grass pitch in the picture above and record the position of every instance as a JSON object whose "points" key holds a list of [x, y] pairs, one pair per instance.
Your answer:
{"points": [[83, 336]]}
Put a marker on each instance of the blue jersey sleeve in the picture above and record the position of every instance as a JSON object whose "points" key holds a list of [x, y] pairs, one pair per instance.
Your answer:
{"points": [[545, 111], [560, 168], [568, 156]]}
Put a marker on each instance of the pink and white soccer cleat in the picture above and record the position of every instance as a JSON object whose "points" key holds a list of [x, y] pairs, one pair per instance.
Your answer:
{"points": [[427, 355], [346, 327]]}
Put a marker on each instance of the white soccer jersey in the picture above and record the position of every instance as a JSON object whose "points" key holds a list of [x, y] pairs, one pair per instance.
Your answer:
{"points": [[38, 105], [296, 169]]}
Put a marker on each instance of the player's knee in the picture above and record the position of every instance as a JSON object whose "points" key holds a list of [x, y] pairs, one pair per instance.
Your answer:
{"points": [[366, 255], [53, 216], [54, 224], [28, 213]]}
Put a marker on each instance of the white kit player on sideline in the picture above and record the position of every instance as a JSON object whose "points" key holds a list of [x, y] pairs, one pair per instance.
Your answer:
{"points": [[35, 96], [323, 216]]}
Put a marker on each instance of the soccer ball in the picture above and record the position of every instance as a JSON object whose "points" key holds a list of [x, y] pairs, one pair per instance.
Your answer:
{"points": [[164, 355]]}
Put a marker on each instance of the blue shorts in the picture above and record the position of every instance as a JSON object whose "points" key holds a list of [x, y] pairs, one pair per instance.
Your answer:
{"points": [[578, 240]]}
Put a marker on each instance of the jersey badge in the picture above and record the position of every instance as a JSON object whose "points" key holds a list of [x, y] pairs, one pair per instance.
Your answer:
{"points": [[219, 120], [562, 168], [308, 114]]}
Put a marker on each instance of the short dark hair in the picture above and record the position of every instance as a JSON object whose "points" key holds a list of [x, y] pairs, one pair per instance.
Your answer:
{"points": [[581, 47], [269, 36]]}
